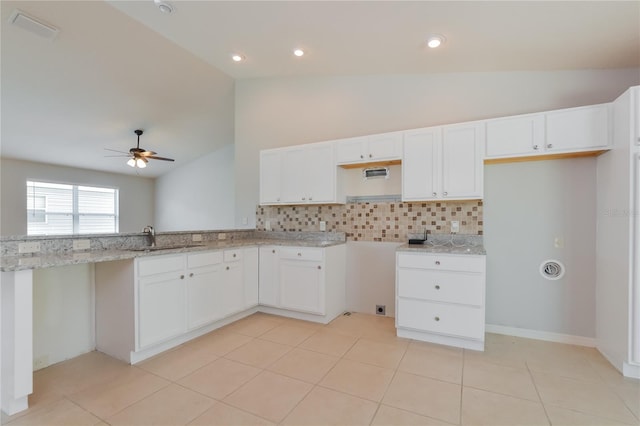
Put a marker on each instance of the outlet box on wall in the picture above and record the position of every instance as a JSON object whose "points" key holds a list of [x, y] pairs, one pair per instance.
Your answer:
{"points": [[31, 247], [81, 244]]}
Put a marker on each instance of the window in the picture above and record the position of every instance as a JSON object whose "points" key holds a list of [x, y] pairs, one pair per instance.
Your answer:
{"points": [[55, 209]]}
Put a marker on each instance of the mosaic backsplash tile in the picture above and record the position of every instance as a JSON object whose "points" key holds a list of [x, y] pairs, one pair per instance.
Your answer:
{"points": [[375, 221]]}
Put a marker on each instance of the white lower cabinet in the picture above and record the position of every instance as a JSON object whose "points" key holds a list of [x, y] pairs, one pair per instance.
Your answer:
{"points": [[440, 298], [303, 282], [203, 289]]}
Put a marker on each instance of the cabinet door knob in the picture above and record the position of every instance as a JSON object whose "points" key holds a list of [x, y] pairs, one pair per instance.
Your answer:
{"points": [[273, 251], [437, 262], [310, 198], [234, 255], [437, 318], [191, 274], [303, 198], [227, 268], [319, 267], [182, 277], [370, 156], [361, 156], [445, 193], [299, 254], [550, 145], [437, 287], [535, 147], [435, 194], [278, 199]]}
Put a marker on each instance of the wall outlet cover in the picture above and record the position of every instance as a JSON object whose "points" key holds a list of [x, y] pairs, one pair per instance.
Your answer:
{"points": [[222, 236], [196, 237], [323, 225], [455, 226], [81, 244], [31, 247], [267, 225]]}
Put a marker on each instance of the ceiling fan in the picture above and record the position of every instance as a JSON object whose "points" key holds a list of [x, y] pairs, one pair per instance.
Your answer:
{"points": [[139, 156]]}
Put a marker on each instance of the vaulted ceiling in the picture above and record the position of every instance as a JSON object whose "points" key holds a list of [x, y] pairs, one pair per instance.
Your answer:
{"points": [[121, 65]]}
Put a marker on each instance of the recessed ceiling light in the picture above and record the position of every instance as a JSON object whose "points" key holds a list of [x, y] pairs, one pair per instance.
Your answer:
{"points": [[237, 57], [163, 6], [435, 40], [298, 52]]}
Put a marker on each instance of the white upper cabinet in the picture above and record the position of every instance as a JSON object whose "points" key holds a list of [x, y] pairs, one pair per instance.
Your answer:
{"points": [[420, 165], [575, 129], [519, 135], [462, 165], [368, 149], [303, 174], [554, 132], [270, 176], [443, 163]]}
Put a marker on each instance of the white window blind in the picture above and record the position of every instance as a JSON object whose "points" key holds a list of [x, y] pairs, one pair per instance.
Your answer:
{"points": [[56, 209]]}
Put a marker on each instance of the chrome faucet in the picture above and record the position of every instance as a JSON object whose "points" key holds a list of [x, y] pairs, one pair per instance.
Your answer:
{"points": [[152, 234]]}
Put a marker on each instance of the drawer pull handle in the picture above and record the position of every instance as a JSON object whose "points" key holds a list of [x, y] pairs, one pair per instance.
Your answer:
{"points": [[319, 267], [191, 274], [535, 147], [227, 268], [299, 254], [437, 287], [550, 145], [182, 277], [437, 262], [437, 318], [234, 255], [273, 251]]}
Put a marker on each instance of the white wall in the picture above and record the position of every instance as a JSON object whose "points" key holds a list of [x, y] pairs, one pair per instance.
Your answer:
{"points": [[526, 207], [136, 193], [63, 313], [280, 112], [198, 195]]}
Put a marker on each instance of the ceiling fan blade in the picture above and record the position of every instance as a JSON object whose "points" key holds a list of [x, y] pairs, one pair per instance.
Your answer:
{"points": [[159, 158], [115, 150], [119, 156], [147, 153]]}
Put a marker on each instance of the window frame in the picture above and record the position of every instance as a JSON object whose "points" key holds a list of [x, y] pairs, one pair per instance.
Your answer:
{"points": [[75, 203]]}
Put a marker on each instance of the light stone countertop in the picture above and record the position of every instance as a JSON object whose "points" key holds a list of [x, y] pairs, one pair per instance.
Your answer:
{"points": [[49, 260], [445, 248]]}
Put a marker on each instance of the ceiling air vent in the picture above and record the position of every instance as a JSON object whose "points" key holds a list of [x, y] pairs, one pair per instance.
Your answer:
{"points": [[376, 173], [33, 25]]}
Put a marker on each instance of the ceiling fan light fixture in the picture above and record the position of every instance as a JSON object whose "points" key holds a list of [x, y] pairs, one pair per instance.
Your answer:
{"points": [[298, 52], [236, 57], [141, 163], [131, 162], [435, 40]]}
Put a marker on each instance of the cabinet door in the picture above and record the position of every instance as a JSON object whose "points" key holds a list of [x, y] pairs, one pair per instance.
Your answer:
{"points": [[319, 174], [232, 294], [268, 276], [302, 286], [462, 162], [203, 296], [161, 308], [270, 176], [578, 128], [386, 146], [250, 276], [293, 175], [351, 150], [420, 164], [515, 136]]}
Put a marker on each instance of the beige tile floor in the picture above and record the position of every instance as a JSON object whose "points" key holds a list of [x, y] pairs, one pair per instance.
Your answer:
{"points": [[266, 370]]}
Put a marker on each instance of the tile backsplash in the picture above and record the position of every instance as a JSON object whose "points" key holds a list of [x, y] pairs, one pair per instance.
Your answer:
{"points": [[375, 221]]}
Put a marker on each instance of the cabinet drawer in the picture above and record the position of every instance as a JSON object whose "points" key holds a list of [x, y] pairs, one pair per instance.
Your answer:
{"points": [[160, 264], [454, 320], [452, 287], [232, 255], [208, 258], [301, 253], [467, 263]]}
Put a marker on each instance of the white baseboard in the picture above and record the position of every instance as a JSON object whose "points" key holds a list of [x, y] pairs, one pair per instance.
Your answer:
{"points": [[631, 370], [542, 335]]}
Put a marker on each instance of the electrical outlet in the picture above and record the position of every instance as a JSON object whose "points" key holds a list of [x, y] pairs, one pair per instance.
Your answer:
{"points": [[222, 236], [455, 226], [558, 242], [323, 225], [81, 244], [196, 238], [267, 225], [381, 309], [32, 247]]}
